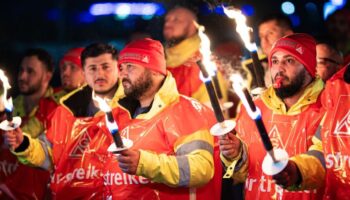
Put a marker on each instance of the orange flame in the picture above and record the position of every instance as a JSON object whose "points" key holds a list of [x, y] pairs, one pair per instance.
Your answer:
{"points": [[241, 27]]}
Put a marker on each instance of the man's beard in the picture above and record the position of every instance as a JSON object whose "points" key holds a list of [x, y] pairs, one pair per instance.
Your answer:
{"points": [[32, 89], [293, 88], [141, 85], [175, 41]]}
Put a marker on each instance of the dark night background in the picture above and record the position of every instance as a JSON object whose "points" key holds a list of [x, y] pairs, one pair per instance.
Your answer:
{"points": [[61, 24]]}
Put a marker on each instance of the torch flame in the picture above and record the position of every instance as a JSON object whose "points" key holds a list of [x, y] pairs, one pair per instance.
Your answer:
{"points": [[238, 86], [6, 85], [242, 29], [205, 51], [102, 104]]}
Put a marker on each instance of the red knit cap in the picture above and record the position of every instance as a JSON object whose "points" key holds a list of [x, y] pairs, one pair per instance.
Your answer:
{"points": [[73, 55], [146, 52], [301, 46]]}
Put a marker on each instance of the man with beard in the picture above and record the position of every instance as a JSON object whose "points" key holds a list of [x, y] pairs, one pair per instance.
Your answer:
{"points": [[33, 105], [71, 72], [334, 131], [77, 138], [173, 150], [291, 112], [34, 76], [182, 53]]}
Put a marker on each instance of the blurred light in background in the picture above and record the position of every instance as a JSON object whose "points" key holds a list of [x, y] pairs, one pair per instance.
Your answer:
{"points": [[85, 17], [123, 10], [248, 10], [338, 2], [295, 20], [311, 7], [288, 7], [332, 6]]}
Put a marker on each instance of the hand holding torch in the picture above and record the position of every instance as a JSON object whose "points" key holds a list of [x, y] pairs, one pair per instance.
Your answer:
{"points": [[277, 159]]}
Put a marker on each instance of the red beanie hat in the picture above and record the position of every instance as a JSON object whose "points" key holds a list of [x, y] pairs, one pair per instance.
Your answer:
{"points": [[73, 55], [146, 52], [301, 46]]}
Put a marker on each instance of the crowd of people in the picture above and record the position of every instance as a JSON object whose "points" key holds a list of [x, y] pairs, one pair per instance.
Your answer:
{"points": [[160, 103]]}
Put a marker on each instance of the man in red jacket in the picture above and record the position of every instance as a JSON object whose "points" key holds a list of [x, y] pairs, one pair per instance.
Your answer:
{"points": [[71, 73], [291, 112], [75, 151]]}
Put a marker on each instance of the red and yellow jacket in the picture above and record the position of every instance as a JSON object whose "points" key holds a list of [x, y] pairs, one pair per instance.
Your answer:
{"points": [[176, 160], [335, 136], [34, 124], [36, 121], [76, 151], [181, 62], [58, 93], [83, 169], [293, 130]]}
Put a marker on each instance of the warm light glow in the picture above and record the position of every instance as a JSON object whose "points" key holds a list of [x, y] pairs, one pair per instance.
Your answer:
{"points": [[238, 86], [242, 29], [205, 51], [102, 104], [6, 86]]}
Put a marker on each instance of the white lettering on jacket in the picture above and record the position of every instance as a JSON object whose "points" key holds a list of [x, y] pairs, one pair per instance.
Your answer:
{"points": [[110, 178], [266, 185], [8, 168], [337, 161]]}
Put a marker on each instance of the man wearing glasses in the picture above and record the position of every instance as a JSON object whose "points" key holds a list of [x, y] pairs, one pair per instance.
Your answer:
{"points": [[329, 60]]}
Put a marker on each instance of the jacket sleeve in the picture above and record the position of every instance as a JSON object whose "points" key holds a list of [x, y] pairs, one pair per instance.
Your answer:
{"points": [[311, 165], [237, 169], [191, 166], [38, 153]]}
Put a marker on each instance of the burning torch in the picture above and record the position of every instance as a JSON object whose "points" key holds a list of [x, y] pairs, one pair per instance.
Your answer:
{"points": [[208, 68], [11, 122], [245, 32], [276, 159], [119, 143]]}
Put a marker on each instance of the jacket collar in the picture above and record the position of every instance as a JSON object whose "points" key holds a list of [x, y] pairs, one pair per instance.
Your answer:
{"points": [[309, 96], [78, 100], [179, 54], [165, 96]]}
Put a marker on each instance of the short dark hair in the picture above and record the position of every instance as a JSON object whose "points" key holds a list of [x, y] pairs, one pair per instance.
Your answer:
{"points": [[42, 55], [281, 20], [96, 49]]}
